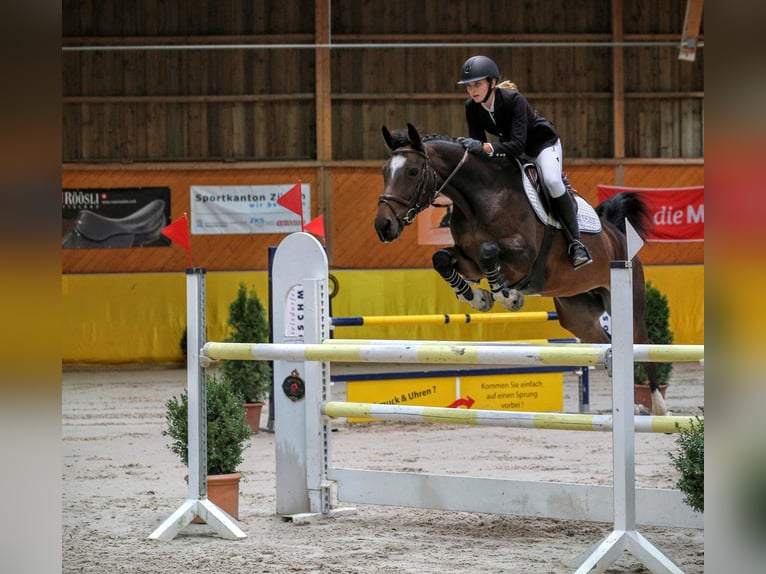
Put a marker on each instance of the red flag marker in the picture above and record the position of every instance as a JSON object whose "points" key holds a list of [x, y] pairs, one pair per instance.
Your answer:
{"points": [[178, 231], [293, 200], [316, 226]]}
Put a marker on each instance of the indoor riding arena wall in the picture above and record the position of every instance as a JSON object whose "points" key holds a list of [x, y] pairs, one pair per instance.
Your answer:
{"points": [[129, 305]]}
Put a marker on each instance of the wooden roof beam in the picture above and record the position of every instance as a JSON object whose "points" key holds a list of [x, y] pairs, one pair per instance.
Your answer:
{"points": [[691, 32]]}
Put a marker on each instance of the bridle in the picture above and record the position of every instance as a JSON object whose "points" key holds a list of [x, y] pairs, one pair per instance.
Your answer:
{"points": [[422, 198]]}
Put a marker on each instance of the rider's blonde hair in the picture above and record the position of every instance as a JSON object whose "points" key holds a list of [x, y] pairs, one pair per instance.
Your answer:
{"points": [[508, 85]]}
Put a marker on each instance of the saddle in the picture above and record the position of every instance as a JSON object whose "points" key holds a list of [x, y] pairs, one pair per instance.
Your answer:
{"points": [[530, 170], [540, 200], [140, 228]]}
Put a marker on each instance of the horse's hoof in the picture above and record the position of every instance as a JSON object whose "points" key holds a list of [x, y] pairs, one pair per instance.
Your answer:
{"points": [[658, 404], [641, 410], [482, 300], [514, 301]]}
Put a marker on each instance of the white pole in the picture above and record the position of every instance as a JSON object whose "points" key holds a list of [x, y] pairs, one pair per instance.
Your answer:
{"points": [[196, 389]]}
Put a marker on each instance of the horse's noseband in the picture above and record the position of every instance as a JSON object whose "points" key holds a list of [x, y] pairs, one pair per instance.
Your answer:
{"points": [[421, 199]]}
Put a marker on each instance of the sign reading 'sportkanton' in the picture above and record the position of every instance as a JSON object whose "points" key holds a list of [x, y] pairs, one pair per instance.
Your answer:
{"points": [[678, 214], [244, 209]]}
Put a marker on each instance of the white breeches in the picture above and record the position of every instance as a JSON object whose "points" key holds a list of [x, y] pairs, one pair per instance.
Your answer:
{"points": [[549, 164]]}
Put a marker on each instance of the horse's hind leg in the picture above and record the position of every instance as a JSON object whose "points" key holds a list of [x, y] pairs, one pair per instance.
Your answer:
{"points": [[581, 314], [489, 255], [444, 263], [641, 335]]}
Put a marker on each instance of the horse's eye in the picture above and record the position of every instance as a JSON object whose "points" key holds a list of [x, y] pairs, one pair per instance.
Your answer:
{"points": [[412, 171]]}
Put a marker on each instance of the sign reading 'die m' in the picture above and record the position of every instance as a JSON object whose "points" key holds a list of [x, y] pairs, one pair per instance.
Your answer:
{"points": [[678, 214], [244, 209]]}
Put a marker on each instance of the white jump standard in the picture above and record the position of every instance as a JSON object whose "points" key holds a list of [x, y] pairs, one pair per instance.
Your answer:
{"points": [[197, 503], [308, 486]]}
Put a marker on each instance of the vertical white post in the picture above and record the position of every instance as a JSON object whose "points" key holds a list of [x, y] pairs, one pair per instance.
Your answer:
{"points": [[624, 536], [301, 314], [197, 503], [623, 439], [317, 390], [196, 389], [299, 283]]}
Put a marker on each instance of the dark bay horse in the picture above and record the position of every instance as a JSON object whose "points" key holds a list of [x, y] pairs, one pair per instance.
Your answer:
{"points": [[498, 236]]}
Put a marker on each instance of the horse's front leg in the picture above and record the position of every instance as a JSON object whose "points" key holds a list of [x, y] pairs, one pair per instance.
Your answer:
{"points": [[444, 261], [489, 255]]}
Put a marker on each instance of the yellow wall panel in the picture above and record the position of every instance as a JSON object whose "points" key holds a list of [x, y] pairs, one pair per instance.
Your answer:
{"points": [[140, 318]]}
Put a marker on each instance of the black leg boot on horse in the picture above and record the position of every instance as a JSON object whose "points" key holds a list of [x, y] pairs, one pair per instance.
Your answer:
{"points": [[444, 263], [563, 207]]}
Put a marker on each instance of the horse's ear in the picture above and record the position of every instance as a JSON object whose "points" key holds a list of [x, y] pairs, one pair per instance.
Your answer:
{"points": [[388, 138], [414, 136]]}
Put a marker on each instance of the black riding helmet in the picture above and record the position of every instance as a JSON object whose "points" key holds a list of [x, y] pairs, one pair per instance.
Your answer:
{"points": [[478, 68]]}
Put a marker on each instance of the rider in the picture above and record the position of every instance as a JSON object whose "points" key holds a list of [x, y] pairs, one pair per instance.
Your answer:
{"points": [[522, 132]]}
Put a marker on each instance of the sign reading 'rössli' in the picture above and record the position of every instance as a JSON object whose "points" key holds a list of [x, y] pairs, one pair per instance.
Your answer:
{"points": [[678, 214], [243, 209]]}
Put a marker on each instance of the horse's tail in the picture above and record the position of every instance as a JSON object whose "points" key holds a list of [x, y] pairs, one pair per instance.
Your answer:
{"points": [[628, 205]]}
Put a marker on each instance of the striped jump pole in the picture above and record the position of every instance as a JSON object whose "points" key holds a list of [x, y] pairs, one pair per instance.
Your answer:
{"points": [[416, 353], [436, 319], [449, 353], [448, 342], [642, 353], [478, 417]]}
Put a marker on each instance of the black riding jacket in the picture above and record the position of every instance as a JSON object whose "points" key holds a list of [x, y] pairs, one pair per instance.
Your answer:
{"points": [[519, 127]]}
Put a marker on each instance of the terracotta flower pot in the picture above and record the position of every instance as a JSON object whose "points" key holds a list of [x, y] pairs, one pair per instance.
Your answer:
{"points": [[223, 491], [642, 395], [253, 415]]}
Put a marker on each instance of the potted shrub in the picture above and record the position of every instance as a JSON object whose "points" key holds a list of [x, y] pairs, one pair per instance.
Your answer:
{"points": [[251, 380], [657, 316], [689, 460], [227, 436]]}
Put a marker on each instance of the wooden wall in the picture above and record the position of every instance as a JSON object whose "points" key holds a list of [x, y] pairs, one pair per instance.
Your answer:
{"points": [[238, 92], [204, 80]]}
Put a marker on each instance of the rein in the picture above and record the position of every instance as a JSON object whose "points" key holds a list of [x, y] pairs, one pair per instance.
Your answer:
{"points": [[416, 203]]}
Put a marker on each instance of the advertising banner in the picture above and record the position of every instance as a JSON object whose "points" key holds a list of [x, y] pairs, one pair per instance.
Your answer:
{"points": [[114, 217], [678, 214], [516, 391], [244, 209]]}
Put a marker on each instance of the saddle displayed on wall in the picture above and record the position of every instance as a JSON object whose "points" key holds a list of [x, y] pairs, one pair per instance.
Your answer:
{"points": [[140, 228]]}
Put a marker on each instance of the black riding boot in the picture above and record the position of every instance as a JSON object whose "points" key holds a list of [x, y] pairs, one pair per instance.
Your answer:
{"points": [[578, 253]]}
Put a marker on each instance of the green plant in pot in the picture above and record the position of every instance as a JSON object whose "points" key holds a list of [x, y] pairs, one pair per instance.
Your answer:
{"points": [[689, 460], [657, 317], [250, 379], [228, 435]]}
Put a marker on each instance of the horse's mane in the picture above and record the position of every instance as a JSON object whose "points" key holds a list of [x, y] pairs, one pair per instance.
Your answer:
{"points": [[438, 137], [400, 138]]}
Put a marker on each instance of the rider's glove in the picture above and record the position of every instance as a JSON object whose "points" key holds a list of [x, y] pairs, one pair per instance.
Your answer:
{"points": [[473, 146]]}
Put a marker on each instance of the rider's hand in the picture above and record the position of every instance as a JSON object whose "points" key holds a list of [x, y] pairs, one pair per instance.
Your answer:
{"points": [[473, 146]]}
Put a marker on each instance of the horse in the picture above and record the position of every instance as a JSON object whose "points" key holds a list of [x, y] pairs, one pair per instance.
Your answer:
{"points": [[499, 234]]}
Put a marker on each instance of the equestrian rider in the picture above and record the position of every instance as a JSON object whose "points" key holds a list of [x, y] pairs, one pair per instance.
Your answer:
{"points": [[522, 132]]}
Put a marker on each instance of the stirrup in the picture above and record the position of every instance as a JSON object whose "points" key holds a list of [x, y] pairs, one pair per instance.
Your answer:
{"points": [[579, 255]]}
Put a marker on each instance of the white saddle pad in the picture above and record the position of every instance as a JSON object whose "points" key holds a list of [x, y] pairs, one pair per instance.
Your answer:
{"points": [[586, 215]]}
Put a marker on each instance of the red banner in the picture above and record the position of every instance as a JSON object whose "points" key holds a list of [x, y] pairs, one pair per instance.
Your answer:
{"points": [[678, 213]]}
